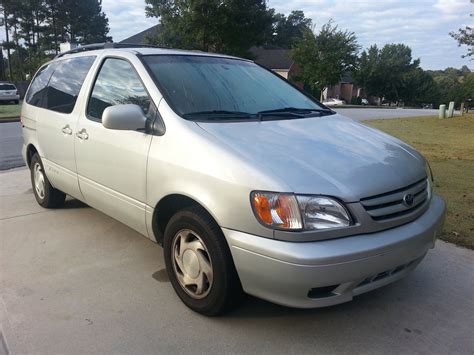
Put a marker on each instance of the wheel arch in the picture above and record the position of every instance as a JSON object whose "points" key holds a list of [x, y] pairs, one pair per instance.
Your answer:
{"points": [[30, 151], [167, 207]]}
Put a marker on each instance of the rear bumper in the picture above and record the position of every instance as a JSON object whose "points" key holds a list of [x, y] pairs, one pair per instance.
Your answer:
{"points": [[10, 98], [324, 273]]}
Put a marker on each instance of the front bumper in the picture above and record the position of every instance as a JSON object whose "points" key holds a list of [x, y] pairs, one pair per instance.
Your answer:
{"points": [[324, 273]]}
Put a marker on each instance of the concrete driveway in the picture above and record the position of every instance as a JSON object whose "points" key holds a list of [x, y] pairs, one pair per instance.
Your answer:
{"points": [[76, 281]]}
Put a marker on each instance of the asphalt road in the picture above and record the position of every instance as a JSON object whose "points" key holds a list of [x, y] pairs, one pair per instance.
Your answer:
{"points": [[78, 282], [360, 114], [10, 133], [10, 145]]}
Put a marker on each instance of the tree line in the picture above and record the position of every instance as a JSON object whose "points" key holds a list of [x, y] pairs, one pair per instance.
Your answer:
{"points": [[233, 26], [35, 29]]}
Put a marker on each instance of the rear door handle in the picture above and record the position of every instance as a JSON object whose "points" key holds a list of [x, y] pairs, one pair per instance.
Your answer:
{"points": [[82, 134], [67, 130]]}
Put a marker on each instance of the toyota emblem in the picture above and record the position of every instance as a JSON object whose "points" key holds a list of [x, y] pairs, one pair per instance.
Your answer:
{"points": [[408, 200]]}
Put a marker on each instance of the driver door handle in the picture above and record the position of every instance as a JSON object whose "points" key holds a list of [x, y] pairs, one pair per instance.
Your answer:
{"points": [[67, 130], [82, 134]]}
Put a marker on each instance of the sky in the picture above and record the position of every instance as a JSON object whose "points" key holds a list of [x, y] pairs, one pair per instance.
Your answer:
{"points": [[421, 24]]}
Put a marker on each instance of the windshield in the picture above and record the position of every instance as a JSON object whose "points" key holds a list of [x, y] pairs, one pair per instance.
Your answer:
{"points": [[202, 87]]}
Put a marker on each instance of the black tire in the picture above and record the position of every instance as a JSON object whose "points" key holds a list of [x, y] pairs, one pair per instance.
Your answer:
{"points": [[226, 292], [17, 102], [50, 197]]}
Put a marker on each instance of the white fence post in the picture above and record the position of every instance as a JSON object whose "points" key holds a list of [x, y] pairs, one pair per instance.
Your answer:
{"points": [[442, 111], [451, 109]]}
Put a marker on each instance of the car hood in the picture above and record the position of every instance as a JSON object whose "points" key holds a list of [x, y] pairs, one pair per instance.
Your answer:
{"points": [[330, 155]]}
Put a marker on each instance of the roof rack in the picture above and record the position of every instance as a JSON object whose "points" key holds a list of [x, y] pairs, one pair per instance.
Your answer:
{"points": [[106, 45]]}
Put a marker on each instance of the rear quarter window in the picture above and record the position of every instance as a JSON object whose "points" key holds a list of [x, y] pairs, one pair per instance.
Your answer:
{"points": [[66, 82], [39, 84]]}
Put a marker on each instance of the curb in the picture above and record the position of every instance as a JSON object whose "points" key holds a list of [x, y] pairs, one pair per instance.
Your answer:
{"points": [[9, 119], [365, 107], [13, 168]]}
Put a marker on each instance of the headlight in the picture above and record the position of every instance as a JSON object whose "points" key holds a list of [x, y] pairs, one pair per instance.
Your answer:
{"points": [[297, 212], [320, 212]]}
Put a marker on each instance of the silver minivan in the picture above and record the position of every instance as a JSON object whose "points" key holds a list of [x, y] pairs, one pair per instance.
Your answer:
{"points": [[250, 185]]}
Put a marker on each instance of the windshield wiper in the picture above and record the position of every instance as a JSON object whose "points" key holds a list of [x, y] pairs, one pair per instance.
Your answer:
{"points": [[293, 111], [261, 115], [217, 114]]}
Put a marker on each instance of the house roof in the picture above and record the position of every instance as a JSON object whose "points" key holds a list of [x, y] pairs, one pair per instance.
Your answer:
{"points": [[140, 37], [272, 57]]}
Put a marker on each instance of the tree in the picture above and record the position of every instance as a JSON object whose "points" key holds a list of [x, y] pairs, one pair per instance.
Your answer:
{"points": [[449, 87], [243, 25], [227, 26], [454, 84], [366, 73], [467, 87], [383, 72], [419, 88], [324, 57], [465, 36], [82, 21], [35, 28], [287, 31]]}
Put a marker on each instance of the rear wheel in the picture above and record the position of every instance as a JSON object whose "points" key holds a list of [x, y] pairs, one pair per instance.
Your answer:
{"points": [[17, 102], [46, 195], [199, 263]]}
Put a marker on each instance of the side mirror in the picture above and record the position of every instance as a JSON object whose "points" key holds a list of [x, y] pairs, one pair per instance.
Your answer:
{"points": [[128, 117]]}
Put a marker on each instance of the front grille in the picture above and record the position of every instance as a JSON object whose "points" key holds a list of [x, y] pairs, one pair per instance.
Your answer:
{"points": [[392, 205]]}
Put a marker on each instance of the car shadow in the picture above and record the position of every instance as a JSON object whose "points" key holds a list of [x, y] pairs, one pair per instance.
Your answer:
{"points": [[254, 307], [72, 203]]}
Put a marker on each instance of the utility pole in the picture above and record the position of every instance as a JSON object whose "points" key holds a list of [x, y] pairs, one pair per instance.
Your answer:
{"points": [[2, 67], [5, 23]]}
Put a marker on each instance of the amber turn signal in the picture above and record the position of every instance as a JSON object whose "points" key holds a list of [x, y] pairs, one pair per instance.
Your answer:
{"points": [[278, 210]]}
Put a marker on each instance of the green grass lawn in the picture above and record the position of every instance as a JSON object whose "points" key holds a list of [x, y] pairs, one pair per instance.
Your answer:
{"points": [[448, 144], [9, 111]]}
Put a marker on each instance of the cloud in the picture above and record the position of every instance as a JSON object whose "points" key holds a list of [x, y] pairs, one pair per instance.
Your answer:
{"points": [[453, 6], [424, 25], [126, 18]]}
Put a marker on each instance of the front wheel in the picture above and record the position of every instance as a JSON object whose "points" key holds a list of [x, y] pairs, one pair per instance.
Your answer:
{"points": [[46, 195], [199, 263]]}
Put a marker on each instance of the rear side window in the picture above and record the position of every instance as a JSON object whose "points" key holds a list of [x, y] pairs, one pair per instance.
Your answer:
{"points": [[117, 83], [38, 87], [7, 87], [66, 82]]}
